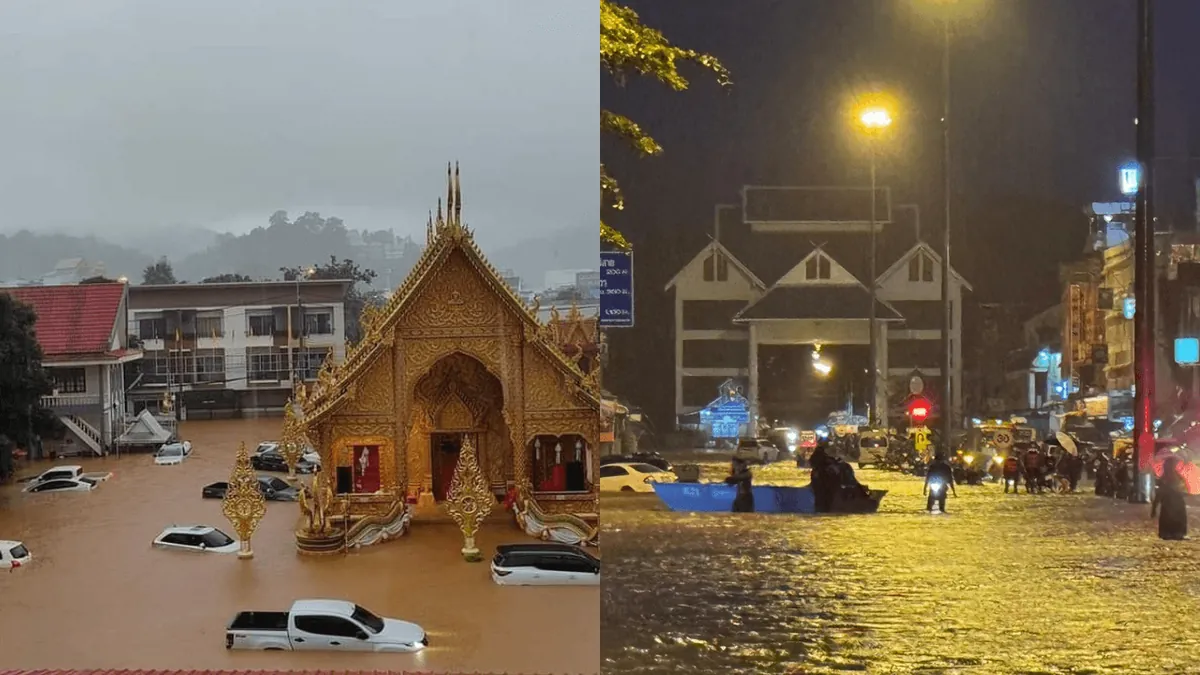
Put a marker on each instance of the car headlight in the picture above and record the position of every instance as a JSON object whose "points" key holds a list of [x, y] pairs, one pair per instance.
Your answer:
{"points": [[968, 459]]}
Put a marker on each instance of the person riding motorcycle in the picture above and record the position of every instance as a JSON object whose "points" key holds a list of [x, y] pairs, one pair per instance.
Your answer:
{"points": [[938, 479], [822, 489]]}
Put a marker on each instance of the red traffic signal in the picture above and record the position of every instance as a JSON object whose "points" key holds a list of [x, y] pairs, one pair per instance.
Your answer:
{"points": [[918, 410]]}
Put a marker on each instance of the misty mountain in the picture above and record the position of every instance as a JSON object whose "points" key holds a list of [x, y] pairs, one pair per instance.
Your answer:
{"points": [[309, 238], [175, 242], [26, 255], [572, 248]]}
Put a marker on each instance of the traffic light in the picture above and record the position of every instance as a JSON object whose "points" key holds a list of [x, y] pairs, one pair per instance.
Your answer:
{"points": [[918, 410]]}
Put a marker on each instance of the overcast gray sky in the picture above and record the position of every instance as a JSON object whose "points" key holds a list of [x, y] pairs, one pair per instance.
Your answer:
{"points": [[130, 113]]}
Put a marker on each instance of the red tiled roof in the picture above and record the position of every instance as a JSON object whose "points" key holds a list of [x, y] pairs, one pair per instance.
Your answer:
{"points": [[72, 320]]}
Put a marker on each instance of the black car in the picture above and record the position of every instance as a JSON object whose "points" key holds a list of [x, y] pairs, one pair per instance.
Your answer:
{"points": [[274, 462], [652, 458], [273, 489]]}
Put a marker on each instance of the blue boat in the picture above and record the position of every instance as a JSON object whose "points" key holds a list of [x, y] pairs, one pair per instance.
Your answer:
{"points": [[718, 498]]}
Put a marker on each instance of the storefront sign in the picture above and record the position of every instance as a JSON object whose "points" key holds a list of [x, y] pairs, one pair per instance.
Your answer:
{"points": [[1129, 307], [616, 289], [1079, 347], [1129, 179], [1187, 351]]}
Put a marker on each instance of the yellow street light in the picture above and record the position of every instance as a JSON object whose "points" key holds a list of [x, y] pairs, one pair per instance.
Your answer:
{"points": [[875, 119]]}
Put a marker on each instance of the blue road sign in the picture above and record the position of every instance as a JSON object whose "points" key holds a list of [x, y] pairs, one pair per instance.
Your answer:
{"points": [[733, 410], [726, 428], [616, 289]]}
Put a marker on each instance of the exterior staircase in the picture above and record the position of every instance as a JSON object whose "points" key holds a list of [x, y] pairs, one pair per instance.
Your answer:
{"points": [[85, 432]]}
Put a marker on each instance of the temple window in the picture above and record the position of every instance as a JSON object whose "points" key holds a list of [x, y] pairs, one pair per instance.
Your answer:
{"points": [[561, 463]]}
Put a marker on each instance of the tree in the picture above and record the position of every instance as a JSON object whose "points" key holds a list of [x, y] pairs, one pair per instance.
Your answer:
{"points": [[629, 47], [356, 298], [23, 382], [159, 273], [226, 279]]}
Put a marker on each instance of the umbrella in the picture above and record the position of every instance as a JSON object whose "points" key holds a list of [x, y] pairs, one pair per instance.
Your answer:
{"points": [[1066, 442]]}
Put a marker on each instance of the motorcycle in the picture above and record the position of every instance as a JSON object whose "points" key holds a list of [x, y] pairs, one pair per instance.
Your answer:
{"points": [[937, 492]]}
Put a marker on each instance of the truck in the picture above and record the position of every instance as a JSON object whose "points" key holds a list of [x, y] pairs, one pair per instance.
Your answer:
{"points": [[313, 625], [69, 472]]}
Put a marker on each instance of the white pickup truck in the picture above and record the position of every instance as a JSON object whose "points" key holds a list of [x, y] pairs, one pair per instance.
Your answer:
{"points": [[323, 625], [69, 472]]}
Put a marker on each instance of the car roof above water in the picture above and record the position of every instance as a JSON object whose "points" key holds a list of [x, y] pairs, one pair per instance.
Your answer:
{"points": [[547, 547]]}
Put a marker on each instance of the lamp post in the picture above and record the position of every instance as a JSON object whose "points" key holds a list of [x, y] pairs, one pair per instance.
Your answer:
{"points": [[947, 309], [1143, 256], [874, 121]]}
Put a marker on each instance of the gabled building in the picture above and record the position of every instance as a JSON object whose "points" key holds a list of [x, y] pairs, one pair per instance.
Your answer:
{"points": [[82, 331], [726, 317]]}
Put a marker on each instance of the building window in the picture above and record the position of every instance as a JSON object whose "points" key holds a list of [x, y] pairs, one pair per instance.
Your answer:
{"points": [[709, 264], [319, 322], [210, 366], [152, 328], [308, 362], [926, 268], [212, 326], [263, 364], [260, 325], [70, 380], [560, 463], [722, 268], [914, 268], [817, 267]]}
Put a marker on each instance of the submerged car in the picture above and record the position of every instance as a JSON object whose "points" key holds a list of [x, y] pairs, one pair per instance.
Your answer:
{"points": [[544, 564], [635, 477], [273, 489], [652, 458], [274, 462], [14, 554], [170, 455], [81, 484], [201, 538]]}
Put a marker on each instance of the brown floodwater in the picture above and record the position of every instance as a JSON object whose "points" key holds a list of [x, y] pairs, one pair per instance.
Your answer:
{"points": [[99, 596]]}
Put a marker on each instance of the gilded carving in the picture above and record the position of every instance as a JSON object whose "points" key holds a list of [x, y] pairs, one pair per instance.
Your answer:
{"points": [[244, 505], [470, 499], [544, 388], [455, 297], [455, 415], [375, 389]]}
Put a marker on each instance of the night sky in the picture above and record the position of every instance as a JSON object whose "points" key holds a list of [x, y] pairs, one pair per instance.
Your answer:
{"points": [[1043, 105]]}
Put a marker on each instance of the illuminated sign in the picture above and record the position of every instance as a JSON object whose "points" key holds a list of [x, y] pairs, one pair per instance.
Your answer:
{"points": [[1129, 307], [1187, 351], [1079, 346], [1129, 178]]}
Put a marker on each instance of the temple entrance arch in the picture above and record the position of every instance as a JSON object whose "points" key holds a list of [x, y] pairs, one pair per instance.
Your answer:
{"points": [[457, 398]]}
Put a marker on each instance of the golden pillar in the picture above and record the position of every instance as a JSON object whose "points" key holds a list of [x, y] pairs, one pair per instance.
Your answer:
{"points": [[244, 505], [292, 440]]}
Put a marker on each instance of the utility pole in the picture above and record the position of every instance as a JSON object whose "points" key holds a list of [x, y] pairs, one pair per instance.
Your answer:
{"points": [[948, 410], [873, 418], [1143, 253]]}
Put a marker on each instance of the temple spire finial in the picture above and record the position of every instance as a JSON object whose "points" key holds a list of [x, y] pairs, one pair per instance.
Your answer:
{"points": [[457, 196], [449, 196], [439, 222], [429, 230]]}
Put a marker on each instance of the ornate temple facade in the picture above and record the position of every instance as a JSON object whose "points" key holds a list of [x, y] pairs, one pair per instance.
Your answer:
{"points": [[454, 356]]}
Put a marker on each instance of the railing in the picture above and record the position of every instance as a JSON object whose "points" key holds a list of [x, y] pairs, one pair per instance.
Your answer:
{"points": [[70, 401], [81, 427]]}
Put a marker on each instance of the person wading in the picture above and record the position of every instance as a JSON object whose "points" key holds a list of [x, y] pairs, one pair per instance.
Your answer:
{"points": [[739, 475], [1169, 502], [819, 462]]}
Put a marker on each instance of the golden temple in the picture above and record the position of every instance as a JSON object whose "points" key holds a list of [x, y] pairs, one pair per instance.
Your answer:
{"points": [[453, 360]]}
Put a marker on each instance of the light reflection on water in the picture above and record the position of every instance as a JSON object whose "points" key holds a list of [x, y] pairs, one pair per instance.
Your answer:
{"points": [[1003, 584], [97, 595]]}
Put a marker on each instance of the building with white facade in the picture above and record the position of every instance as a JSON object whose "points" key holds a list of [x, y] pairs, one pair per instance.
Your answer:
{"points": [[761, 287], [229, 349]]}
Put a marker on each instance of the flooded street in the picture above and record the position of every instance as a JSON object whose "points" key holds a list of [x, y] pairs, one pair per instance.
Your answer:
{"points": [[1002, 584], [99, 596]]}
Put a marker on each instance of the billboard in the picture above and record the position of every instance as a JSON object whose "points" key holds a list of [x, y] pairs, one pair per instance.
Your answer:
{"points": [[616, 289]]}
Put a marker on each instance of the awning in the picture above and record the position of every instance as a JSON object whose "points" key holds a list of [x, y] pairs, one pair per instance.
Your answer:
{"points": [[145, 430]]}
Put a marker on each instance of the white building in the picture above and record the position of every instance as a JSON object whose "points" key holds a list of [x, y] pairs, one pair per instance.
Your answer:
{"points": [[82, 332], [229, 349], [815, 294]]}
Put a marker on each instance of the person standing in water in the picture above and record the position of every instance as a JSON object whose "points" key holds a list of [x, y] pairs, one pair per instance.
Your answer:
{"points": [[739, 475], [1172, 516]]}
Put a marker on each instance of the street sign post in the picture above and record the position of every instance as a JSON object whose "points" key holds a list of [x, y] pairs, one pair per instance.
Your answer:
{"points": [[616, 289]]}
